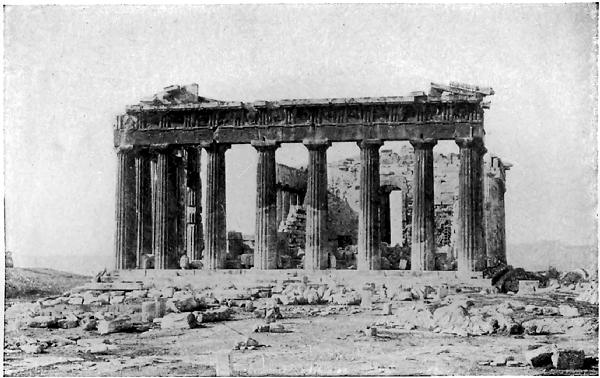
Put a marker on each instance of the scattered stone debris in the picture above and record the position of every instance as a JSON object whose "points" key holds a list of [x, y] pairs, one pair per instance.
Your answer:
{"points": [[249, 344], [133, 307]]}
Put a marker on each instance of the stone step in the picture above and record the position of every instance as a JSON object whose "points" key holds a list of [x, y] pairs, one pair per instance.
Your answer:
{"points": [[111, 286]]}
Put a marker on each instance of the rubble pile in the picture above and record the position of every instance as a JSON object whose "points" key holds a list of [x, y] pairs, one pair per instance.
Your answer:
{"points": [[462, 318]]}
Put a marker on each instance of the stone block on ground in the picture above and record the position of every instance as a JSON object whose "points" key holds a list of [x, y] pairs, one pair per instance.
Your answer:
{"points": [[54, 302], [136, 294], [184, 320], [528, 287], [215, 315], [112, 326], [248, 306], [167, 292], [33, 348], [183, 304], [403, 295], [272, 314], [248, 343], [88, 323], [387, 309], [43, 322], [70, 321], [351, 298], [75, 301], [148, 311], [550, 310], [568, 359], [117, 299], [568, 311], [540, 356], [366, 299]]}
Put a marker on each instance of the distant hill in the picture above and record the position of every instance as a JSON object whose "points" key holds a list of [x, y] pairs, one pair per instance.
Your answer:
{"points": [[37, 282], [541, 255]]}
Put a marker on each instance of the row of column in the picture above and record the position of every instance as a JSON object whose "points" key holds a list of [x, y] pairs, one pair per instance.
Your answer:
{"points": [[132, 210], [159, 206], [286, 198]]}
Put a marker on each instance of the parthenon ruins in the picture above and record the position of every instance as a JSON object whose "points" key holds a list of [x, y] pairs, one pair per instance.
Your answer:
{"points": [[159, 209]]}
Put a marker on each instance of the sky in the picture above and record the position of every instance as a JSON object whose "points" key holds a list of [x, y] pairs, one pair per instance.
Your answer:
{"points": [[70, 70]]}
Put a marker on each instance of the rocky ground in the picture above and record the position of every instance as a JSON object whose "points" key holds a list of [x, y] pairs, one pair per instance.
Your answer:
{"points": [[299, 328]]}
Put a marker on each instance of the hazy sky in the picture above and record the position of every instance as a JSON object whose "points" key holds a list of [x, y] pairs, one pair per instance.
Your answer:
{"points": [[70, 70]]}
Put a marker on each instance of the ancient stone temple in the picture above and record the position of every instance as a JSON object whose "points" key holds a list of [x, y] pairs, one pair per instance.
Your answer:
{"points": [[159, 210]]}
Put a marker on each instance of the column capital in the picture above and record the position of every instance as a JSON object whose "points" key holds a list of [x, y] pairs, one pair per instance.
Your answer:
{"points": [[162, 148], [265, 144], [214, 146], [471, 143], [423, 143], [125, 148], [316, 144], [370, 143]]}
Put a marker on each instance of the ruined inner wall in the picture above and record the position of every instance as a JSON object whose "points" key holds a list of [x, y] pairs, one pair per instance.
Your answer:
{"points": [[396, 170]]}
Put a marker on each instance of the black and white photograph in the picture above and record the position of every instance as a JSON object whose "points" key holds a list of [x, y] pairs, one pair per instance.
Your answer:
{"points": [[316, 189]]}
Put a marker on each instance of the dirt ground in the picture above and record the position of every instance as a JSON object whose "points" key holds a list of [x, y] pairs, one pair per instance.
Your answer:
{"points": [[316, 345]]}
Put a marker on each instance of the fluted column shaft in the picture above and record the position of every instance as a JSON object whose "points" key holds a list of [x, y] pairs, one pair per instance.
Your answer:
{"points": [[216, 227], [160, 206], [142, 206], [501, 222], [470, 244], [265, 245], [423, 220], [315, 257], [368, 257], [180, 205], [494, 219], [193, 234], [124, 211]]}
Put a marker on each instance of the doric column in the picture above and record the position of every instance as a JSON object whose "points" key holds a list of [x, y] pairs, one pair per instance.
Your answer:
{"points": [[494, 213], [265, 245], [125, 210], [216, 228], [160, 207], [142, 207], [179, 206], [368, 257], [316, 205], [384, 213], [470, 247], [285, 204], [193, 234], [423, 222]]}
